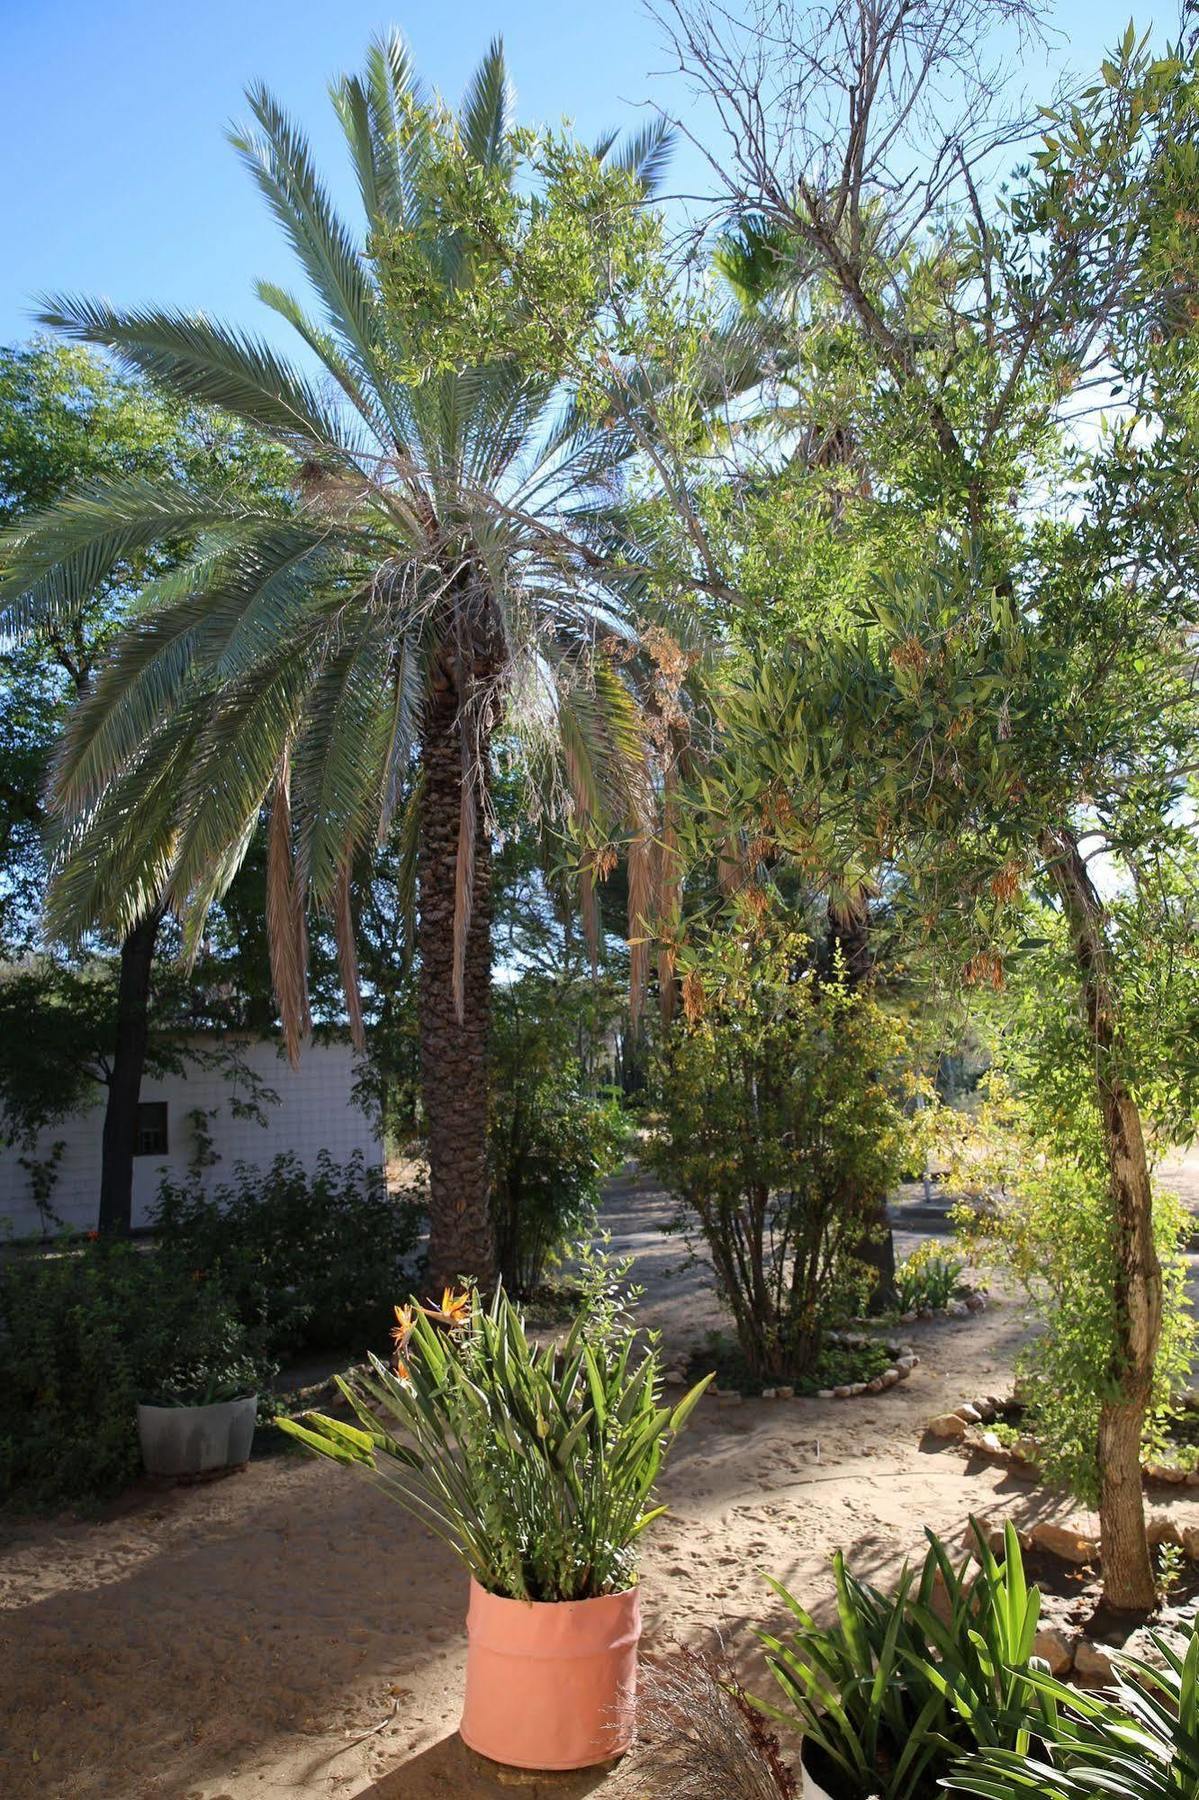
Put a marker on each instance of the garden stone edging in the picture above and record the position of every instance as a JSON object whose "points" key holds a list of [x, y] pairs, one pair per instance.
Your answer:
{"points": [[903, 1360], [965, 1421]]}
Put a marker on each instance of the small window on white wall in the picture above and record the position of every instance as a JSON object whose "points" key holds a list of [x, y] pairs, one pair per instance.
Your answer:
{"points": [[151, 1128]]}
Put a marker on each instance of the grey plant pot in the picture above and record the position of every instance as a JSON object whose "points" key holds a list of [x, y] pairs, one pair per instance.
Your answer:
{"points": [[192, 1440]]}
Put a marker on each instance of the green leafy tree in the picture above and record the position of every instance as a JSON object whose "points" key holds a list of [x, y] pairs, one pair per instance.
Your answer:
{"points": [[328, 657], [68, 419], [1006, 691]]}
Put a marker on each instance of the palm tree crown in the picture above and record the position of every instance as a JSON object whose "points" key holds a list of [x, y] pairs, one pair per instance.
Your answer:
{"points": [[352, 649]]}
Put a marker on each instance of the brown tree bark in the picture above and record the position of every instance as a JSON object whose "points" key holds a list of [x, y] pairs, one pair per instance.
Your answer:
{"points": [[1128, 1581], [119, 1141], [453, 1050], [849, 930]]}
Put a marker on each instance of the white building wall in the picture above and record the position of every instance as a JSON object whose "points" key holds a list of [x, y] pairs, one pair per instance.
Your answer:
{"points": [[316, 1111]]}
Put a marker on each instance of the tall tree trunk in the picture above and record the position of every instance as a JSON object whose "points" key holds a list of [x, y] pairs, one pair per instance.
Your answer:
{"points": [[849, 931], [125, 1079], [1128, 1581], [453, 1050]]}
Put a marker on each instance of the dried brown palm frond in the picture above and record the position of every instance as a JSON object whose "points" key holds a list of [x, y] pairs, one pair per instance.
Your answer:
{"points": [[701, 1739], [641, 910], [287, 926], [347, 956]]}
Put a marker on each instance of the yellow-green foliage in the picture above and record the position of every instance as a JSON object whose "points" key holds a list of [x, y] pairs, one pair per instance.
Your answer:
{"points": [[1047, 1219]]}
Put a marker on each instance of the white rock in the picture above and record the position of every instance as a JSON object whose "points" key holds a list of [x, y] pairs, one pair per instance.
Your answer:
{"points": [[947, 1426], [1160, 1528], [969, 1413]]}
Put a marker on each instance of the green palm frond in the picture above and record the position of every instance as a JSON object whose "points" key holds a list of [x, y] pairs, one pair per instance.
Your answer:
{"points": [[51, 561], [340, 760], [217, 612], [486, 116], [646, 154], [214, 364], [280, 162], [381, 116]]}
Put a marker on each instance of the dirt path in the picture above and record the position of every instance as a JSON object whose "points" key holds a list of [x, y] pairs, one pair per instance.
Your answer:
{"points": [[231, 1642]]}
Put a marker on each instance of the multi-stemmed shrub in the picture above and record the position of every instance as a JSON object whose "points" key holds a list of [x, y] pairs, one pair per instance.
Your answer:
{"points": [[782, 1121]]}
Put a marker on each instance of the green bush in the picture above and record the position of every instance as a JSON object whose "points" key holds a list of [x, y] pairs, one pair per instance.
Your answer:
{"points": [[552, 1140], [928, 1277], [902, 1685], [781, 1100], [1140, 1744], [315, 1261], [1047, 1221], [86, 1332]]}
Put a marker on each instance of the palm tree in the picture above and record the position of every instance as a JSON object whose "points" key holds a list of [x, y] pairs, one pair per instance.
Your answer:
{"points": [[334, 659]]}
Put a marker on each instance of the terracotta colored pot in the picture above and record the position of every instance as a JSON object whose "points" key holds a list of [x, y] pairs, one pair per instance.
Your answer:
{"points": [[550, 1684]]}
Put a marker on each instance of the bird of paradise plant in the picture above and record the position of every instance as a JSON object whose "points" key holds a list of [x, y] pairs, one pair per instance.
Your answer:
{"points": [[536, 1465]]}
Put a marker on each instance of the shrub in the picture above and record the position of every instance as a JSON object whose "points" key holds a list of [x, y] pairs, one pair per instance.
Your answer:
{"points": [[552, 1144], [552, 1140], [1048, 1222], [782, 1124], [894, 1693], [86, 1332], [314, 1260], [927, 1278], [537, 1466]]}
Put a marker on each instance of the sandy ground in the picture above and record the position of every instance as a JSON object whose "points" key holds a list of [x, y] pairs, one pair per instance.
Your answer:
{"points": [[238, 1641]]}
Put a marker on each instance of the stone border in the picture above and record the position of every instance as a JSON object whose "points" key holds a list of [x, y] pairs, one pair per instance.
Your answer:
{"points": [[903, 1360], [964, 1425], [974, 1301], [1075, 1653]]}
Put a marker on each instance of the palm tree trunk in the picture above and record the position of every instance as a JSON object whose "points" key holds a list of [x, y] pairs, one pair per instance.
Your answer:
{"points": [[125, 1080], [1128, 1582], [453, 1050]]}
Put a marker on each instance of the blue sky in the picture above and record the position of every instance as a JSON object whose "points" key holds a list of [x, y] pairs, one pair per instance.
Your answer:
{"points": [[120, 182]]}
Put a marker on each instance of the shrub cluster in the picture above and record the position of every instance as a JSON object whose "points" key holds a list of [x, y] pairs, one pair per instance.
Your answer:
{"points": [[87, 1332], [314, 1261], [272, 1263], [782, 1119]]}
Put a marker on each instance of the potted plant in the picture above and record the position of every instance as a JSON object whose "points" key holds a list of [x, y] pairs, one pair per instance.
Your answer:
{"points": [[903, 1685], [537, 1466], [201, 1401]]}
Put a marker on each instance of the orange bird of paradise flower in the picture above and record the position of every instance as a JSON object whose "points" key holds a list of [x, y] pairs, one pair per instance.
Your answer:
{"points": [[453, 1311], [400, 1334]]}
